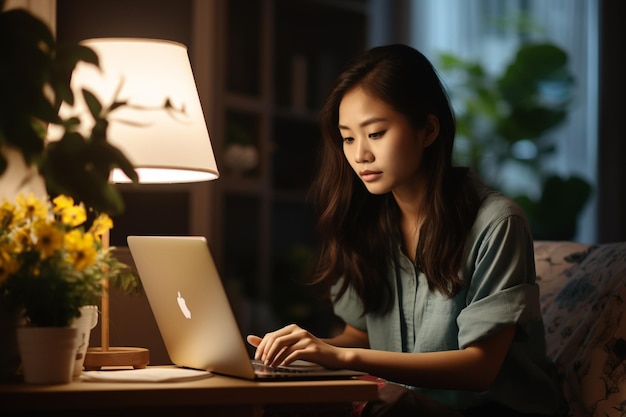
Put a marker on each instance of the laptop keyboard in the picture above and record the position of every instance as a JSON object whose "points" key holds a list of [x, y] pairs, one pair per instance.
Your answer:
{"points": [[266, 369]]}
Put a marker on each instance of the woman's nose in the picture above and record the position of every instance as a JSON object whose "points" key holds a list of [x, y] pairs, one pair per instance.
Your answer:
{"points": [[363, 153]]}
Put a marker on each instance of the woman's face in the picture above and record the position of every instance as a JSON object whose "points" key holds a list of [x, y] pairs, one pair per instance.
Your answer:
{"points": [[381, 145]]}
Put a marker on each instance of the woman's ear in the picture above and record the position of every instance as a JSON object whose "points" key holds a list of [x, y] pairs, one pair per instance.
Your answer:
{"points": [[431, 129]]}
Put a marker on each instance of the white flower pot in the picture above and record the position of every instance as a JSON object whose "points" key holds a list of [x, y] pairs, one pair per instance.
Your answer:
{"points": [[87, 321], [47, 354]]}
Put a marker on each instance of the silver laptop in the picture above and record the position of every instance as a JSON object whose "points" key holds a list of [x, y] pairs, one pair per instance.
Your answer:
{"points": [[193, 313]]}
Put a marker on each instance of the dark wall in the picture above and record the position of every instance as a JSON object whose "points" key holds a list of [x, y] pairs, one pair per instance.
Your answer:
{"points": [[159, 19], [612, 123]]}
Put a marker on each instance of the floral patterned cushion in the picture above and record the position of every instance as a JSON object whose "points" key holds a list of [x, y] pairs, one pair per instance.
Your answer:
{"points": [[583, 296]]}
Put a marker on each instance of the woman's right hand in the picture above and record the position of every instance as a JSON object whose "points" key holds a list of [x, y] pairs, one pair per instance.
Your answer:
{"points": [[291, 343]]}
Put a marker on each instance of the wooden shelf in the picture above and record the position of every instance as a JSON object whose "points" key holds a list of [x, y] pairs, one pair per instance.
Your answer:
{"points": [[263, 221]]}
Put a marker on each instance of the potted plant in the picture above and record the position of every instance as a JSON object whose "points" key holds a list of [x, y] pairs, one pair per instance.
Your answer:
{"points": [[35, 74], [52, 262]]}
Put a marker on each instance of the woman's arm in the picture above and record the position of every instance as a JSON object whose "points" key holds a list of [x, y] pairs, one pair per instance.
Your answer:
{"points": [[473, 368], [349, 337]]}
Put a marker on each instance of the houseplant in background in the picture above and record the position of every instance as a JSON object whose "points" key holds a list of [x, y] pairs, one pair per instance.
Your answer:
{"points": [[52, 262], [504, 121], [35, 73]]}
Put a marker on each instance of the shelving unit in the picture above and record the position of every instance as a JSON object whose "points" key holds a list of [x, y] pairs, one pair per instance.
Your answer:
{"points": [[278, 59]]}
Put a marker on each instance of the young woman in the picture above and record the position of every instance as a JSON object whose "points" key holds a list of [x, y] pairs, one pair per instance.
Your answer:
{"points": [[432, 273]]}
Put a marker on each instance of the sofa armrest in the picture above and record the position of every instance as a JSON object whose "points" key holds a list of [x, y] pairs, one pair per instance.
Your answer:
{"points": [[583, 296]]}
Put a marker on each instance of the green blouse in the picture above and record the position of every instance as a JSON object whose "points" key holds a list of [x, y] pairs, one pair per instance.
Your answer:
{"points": [[501, 291]]}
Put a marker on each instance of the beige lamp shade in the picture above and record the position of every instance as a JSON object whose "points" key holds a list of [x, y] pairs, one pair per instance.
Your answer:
{"points": [[164, 144]]}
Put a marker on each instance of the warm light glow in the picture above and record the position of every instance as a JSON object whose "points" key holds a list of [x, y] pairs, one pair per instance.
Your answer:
{"points": [[157, 175], [164, 145]]}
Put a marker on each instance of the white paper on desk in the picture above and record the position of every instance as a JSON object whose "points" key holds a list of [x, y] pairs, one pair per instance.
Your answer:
{"points": [[145, 375]]}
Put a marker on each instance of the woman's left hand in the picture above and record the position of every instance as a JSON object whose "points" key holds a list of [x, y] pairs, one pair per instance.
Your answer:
{"points": [[290, 343]]}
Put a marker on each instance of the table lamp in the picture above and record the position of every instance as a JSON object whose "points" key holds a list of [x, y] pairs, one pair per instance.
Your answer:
{"points": [[165, 144]]}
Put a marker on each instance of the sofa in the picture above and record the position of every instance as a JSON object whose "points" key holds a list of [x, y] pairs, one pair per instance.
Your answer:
{"points": [[583, 301]]}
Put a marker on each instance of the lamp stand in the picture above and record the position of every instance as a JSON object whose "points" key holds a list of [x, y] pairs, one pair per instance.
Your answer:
{"points": [[98, 357]]}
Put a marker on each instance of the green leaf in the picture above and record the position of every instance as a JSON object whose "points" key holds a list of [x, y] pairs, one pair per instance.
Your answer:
{"points": [[68, 55], [557, 210], [95, 108]]}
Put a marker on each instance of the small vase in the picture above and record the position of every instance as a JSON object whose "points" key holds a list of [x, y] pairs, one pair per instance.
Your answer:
{"points": [[47, 353], [87, 321]]}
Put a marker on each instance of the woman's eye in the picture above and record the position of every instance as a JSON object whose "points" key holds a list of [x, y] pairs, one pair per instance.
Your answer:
{"points": [[348, 140], [376, 135]]}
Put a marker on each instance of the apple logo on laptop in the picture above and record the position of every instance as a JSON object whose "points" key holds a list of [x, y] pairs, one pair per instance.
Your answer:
{"points": [[183, 306]]}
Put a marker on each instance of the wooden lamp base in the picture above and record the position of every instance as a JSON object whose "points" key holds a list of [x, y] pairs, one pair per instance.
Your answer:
{"points": [[96, 357]]}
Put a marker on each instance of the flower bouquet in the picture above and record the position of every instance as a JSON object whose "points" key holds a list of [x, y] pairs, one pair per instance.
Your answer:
{"points": [[51, 263]]}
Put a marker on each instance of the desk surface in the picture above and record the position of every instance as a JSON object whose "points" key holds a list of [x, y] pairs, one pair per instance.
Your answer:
{"points": [[213, 391]]}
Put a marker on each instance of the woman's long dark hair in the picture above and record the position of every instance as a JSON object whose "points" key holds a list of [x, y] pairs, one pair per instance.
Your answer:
{"points": [[360, 231]]}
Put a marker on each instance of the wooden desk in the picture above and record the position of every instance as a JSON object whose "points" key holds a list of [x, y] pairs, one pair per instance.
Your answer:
{"points": [[214, 396]]}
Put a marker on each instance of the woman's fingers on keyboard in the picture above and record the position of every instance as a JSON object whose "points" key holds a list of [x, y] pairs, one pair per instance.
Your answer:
{"points": [[283, 345]]}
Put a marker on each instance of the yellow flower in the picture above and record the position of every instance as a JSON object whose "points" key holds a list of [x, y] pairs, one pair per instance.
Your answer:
{"points": [[72, 215], [7, 210], [8, 264], [101, 225], [49, 238], [61, 203], [80, 249], [21, 239], [6, 205], [29, 207]]}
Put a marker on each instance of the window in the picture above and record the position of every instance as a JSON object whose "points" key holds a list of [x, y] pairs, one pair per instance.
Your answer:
{"points": [[482, 30]]}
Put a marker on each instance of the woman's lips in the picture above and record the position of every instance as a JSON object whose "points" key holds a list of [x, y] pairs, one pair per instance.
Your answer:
{"points": [[369, 176]]}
